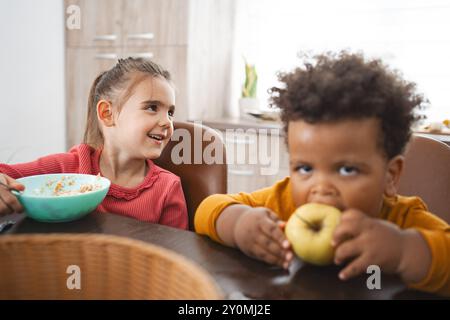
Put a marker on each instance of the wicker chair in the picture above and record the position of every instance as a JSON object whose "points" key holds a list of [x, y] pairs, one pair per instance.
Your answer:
{"points": [[110, 267]]}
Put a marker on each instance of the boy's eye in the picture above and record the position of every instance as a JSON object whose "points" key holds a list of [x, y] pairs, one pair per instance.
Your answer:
{"points": [[348, 171], [304, 169]]}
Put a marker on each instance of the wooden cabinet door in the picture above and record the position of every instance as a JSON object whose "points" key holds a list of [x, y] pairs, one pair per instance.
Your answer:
{"points": [[82, 67], [100, 23], [155, 22]]}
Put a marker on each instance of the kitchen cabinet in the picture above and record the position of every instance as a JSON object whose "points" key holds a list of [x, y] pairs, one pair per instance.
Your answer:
{"points": [[257, 156], [83, 67], [190, 38], [258, 167], [130, 22], [101, 24], [165, 22]]}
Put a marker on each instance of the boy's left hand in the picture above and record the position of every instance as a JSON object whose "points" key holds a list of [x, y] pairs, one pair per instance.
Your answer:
{"points": [[365, 241]]}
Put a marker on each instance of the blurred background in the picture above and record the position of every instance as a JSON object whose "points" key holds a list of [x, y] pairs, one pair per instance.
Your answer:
{"points": [[51, 51]]}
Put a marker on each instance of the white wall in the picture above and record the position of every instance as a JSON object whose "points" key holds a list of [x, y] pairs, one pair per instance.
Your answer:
{"points": [[32, 105]]}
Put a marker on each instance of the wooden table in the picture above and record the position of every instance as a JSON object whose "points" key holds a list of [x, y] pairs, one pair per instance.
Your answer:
{"points": [[239, 276]]}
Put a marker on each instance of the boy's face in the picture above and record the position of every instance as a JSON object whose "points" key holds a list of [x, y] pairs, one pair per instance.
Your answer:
{"points": [[341, 164]]}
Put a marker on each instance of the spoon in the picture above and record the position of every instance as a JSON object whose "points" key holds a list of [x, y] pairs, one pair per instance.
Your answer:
{"points": [[4, 226]]}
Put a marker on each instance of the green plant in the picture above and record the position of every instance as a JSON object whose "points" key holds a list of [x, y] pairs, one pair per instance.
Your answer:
{"points": [[251, 81]]}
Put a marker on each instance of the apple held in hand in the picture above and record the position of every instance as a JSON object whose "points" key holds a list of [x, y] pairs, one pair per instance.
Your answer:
{"points": [[310, 230]]}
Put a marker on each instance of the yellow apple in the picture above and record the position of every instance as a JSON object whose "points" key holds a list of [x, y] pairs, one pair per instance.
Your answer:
{"points": [[310, 230]]}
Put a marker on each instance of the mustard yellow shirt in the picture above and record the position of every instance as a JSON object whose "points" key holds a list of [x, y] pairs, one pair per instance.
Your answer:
{"points": [[406, 212]]}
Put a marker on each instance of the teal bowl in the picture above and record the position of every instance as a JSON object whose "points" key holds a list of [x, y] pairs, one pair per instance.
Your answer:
{"points": [[58, 197]]}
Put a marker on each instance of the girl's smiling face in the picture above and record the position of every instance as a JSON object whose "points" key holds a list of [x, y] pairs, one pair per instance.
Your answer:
{"points": [[341, 164], [144, 124]]}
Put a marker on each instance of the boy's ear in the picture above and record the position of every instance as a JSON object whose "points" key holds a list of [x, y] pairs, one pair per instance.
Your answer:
{"points": [[104, 113], [394, 171]]}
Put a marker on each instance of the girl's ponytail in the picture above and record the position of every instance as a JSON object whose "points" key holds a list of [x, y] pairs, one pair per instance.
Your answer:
{"points": [[92, 134]]}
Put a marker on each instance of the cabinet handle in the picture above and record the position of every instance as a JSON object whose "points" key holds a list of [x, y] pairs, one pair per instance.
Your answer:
{"points": [[147, 55], [106, 37], [141, 36], [241, 172], [106, 56]]}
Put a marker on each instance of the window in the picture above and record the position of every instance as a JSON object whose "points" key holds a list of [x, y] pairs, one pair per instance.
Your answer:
{"points": [[409, 35]]}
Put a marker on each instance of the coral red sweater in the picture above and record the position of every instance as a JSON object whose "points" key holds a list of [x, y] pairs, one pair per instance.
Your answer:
{"points": [[158, 199]]}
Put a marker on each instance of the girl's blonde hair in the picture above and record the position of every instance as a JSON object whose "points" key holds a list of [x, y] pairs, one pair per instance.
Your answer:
{"points": [[116, 85]]}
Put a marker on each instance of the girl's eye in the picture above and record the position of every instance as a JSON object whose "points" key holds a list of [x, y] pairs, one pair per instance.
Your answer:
{"points": [[304, 169], [171, 113], [348, 171], [153, 108]]}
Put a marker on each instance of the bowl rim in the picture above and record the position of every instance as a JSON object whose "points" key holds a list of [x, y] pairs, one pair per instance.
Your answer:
{"points": [[31, 196]]}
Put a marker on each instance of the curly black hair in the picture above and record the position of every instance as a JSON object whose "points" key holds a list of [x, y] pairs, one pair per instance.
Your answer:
{"points": [[343, 86]]}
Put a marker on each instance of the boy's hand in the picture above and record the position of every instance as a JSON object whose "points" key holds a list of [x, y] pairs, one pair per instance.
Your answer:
{"points": [[259, 234], [365, 241], [8, 201]]}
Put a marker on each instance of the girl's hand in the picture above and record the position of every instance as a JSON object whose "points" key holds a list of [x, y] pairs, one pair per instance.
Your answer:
{"points": [[8, 201], [259, 234], [363, 241]]}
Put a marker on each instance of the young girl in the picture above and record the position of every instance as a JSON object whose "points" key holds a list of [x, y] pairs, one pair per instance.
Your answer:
{"points": [[129, 122]]}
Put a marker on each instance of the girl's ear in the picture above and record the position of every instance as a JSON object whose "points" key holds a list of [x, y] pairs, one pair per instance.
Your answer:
{"points": [[104, 113], [394, 171]]}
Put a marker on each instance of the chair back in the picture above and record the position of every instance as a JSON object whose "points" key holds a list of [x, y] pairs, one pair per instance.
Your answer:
{"points": [[196, 153], [427, 174]]}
